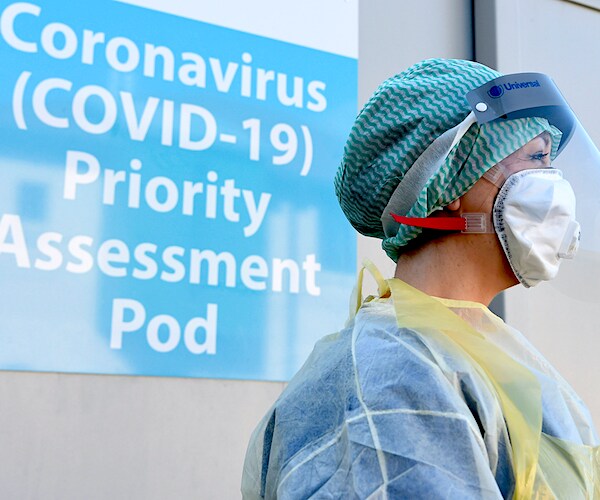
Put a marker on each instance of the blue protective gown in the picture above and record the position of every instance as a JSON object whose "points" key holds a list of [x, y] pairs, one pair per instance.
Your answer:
{"points": [[382, 411]]}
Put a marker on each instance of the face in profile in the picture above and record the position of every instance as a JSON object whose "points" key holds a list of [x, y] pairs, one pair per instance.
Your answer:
{"points": [[533, 155]]}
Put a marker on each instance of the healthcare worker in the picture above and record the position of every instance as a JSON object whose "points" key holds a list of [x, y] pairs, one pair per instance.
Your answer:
{"points": [[426, 393]]}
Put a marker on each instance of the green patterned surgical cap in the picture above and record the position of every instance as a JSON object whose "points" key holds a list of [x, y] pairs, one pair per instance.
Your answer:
{"points": [[404, 116]]}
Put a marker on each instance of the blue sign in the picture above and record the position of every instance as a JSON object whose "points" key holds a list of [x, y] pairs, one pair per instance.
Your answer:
{"points": [[166, 197]]}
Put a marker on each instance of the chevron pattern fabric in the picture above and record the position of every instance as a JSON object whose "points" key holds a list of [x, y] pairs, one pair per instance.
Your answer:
{"points": [[404, 116]]}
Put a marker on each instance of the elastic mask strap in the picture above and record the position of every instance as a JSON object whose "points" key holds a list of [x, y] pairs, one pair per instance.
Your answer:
{"points": [[496, 175], [356, 299], [468, 223]]}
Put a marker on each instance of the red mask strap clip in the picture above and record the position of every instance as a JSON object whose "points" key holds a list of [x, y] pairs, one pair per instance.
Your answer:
{"points": [[472, 223], [443, 223]]}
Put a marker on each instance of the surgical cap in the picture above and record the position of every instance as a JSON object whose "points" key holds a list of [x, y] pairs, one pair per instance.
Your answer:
{"points": [[395, 127]]}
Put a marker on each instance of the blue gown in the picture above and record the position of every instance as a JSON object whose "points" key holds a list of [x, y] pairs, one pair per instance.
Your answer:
{"points": [[384, 411]]}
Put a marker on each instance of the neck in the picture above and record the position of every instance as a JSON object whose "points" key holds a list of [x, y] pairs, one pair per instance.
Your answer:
{"points": [[458, 266]]}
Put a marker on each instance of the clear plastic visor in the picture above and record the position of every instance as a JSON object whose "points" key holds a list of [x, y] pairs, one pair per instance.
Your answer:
{"points": [[580, 164]]}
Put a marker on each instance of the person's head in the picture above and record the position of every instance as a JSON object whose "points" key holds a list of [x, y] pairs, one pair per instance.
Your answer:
{"points": [[482, 198], [418, 150]]}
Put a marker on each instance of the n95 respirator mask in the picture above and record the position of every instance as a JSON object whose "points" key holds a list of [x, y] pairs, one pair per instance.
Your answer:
{"points": [[534, 218]]}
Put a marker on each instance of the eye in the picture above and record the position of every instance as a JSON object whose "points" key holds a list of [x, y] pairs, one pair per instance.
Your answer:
{"points": [[538, 156]]}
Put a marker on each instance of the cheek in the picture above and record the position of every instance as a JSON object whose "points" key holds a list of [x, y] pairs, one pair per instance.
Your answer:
{"points": [[480, 198]]}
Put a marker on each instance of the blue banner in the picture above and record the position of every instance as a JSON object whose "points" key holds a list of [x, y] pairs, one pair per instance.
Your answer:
{"points": [[166, 194]]}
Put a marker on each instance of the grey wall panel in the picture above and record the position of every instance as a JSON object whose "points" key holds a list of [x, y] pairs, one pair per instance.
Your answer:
{"points": [[393, 36], [93, 437], [396, 35]]}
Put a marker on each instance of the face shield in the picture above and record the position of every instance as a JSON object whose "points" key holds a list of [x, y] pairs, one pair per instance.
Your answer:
{"points": [[569, 150], [576, 156], [580, 164]]}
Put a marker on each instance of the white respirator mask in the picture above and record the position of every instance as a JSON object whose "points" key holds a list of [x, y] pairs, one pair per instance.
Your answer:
{"points": [[534, 218]]}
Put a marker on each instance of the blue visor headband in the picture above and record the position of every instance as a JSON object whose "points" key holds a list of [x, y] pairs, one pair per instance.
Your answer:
{"points": [[523, 95]]}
